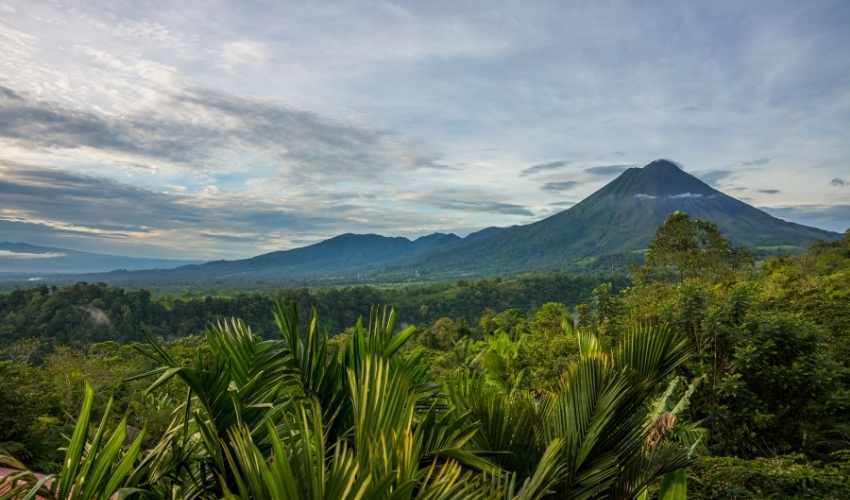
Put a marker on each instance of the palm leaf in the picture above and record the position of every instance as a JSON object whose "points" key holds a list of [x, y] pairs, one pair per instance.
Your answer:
{"points": [[98, 470]]}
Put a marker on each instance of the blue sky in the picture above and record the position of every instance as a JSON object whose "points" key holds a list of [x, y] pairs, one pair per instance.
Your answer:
{"points": [[226, 129]]}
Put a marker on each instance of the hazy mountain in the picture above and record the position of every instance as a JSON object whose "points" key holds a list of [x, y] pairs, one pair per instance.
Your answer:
{"points": [[619, 219], [343, 254], [31, 259]]}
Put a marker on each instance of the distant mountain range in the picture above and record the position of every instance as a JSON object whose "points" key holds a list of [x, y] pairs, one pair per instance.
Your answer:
{"points": [[21, 258], [338, 257], [620, 219]]}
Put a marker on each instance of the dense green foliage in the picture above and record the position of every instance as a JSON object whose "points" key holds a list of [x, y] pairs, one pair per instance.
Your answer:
{"points": [[85, 313], [761, 400], [788, 476], [307, 416]]}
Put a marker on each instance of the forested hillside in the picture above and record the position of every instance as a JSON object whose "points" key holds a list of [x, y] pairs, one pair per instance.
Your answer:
{"points": [[709, 371], [85, 313]]}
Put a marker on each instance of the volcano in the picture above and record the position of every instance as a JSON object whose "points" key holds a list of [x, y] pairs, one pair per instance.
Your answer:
{"points": [[620, 218]]}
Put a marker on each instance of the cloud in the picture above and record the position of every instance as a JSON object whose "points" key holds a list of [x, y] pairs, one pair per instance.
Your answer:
{"points": [[769, 191], [51, 206], [434, 165], [48, 125], [8, 94], [758, 162], [491, 207], [544, 167], [607, 170], [231, 238], [838, 182], [244, 52], [714, 177], [687, 195], [7, 254], [645, 196], [207, 129], [474, 201], [831, 217], [559, 186], [61, 203]]}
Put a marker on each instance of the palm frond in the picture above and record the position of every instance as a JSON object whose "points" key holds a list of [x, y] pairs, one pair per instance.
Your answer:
{"points": [[98, 469]]}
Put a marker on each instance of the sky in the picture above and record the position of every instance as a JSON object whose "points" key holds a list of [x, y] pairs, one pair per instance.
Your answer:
{"points": [[228, 129]]}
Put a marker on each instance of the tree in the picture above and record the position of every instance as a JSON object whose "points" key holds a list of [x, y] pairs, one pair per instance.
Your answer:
{"points": [[442, 334], [548, 319], [690, 248], [772, 389]]}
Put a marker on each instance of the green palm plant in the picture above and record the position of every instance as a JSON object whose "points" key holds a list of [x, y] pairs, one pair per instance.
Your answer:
{"points": [[297, 469], [599, 416], [508, 423], [242, 381], [286, 418], [408, 451], [499, 362], [97, 469]]}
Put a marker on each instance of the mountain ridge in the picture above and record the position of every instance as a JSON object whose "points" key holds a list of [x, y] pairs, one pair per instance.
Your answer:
{"points": [[347, 251], [618, 219]]}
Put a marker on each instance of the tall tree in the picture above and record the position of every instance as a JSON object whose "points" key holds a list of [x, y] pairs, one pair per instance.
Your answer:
{"points": [[687, 248]]}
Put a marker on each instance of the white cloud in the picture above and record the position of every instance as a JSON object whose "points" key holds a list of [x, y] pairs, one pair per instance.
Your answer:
{"points": [[240, 53], [7, 254]]}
